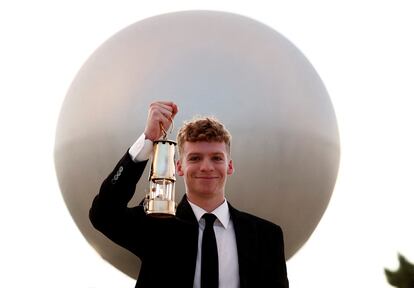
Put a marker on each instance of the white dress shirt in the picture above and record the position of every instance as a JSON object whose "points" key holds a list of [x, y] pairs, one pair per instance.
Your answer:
{"points": [[141, 150], [226, 246], [223, 228]]}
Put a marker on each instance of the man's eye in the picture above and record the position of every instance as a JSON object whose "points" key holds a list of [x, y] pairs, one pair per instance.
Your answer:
{"points": [[217, 158], [193, 158]]}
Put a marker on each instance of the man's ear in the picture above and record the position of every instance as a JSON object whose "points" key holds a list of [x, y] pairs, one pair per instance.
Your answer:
{"points": [[179, 168], [230, 168]]}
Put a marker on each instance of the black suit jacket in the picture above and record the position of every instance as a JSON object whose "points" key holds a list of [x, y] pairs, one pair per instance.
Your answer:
{"points": [[168, 247]]}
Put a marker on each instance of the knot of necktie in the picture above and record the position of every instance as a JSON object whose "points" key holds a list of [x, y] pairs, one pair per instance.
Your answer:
{"points": [[209, 218]]}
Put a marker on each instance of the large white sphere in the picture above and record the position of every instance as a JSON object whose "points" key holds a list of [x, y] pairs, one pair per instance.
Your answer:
{"points": [[285, 139]]}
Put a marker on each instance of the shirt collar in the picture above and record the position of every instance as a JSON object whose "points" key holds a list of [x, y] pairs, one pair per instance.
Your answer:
{"points": [[222, 212]]}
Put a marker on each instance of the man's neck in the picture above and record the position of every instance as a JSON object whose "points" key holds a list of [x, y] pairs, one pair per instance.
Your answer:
{"points": [[208, 204]]}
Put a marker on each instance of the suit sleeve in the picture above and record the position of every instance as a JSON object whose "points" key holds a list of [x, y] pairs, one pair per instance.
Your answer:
{"points": [[109, 212]]}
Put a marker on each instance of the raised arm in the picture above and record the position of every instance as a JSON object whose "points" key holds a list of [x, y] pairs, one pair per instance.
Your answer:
{"points": [[109, 212]]}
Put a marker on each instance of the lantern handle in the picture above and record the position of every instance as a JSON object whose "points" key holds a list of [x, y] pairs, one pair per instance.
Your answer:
{"points": [[164, 137]]}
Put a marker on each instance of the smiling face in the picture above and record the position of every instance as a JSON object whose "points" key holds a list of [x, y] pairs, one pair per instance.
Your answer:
{"points": [[205, 167]]}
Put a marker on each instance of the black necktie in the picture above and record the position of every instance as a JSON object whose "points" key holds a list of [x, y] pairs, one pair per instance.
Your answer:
{"points": [[209, 256]]}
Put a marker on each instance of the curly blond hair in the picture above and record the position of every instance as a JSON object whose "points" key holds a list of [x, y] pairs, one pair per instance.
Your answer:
{"points": [[208, 129]]}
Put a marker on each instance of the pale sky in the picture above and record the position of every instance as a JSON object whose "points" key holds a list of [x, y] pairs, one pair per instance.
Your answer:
{"points": [[362, 50]]}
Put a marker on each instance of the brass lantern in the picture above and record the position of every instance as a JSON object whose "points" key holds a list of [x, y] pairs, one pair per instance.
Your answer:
{"points": [[160, 201]]}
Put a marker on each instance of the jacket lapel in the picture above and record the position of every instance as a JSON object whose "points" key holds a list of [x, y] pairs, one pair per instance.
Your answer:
{"points": [[189, 247], [185, 212], [246, 246]]}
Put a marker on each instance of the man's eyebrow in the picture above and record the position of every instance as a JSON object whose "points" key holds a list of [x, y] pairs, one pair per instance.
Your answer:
{"points": [[193, 154], [199, 153]]}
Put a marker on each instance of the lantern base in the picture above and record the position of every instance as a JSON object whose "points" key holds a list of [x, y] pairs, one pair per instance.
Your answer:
{"points": [[160, 208]]}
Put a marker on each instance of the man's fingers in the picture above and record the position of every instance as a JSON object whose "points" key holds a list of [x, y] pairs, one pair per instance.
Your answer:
{"points": [[166, 106], [166, 110], [160, 113], [175, 109], [169, 103]]}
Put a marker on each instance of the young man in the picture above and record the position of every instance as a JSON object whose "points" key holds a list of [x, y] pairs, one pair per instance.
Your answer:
{"points": [[246, 251]]}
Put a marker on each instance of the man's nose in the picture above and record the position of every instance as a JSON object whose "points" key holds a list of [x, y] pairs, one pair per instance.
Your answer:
{"points": [[206, 165]]}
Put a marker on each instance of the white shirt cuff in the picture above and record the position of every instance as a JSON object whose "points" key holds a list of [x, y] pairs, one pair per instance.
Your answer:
{"points": [[141, 150]]}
